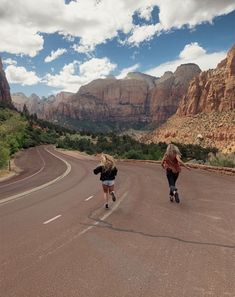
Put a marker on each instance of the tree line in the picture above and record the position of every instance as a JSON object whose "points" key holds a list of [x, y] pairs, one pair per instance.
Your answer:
{"points": [[22, 130], [128, 148]]}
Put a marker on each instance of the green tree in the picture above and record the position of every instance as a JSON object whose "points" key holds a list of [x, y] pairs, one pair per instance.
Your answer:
{"points": [[4, 155]]}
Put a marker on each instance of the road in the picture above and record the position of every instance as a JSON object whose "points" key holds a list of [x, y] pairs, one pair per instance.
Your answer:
{"points": [[59, 241]]}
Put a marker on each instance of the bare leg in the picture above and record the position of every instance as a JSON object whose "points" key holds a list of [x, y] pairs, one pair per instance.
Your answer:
{"points": [[106, 197], [111, 192]]}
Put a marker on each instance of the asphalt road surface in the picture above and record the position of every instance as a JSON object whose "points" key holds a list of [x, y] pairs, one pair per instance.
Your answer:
{"points": [[57, 240]]}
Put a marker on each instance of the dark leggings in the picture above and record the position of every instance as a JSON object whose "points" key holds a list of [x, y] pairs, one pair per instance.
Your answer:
{"points": [[172, 178]]}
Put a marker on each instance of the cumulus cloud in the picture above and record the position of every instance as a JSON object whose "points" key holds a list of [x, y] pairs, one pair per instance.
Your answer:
{"points": [[146, 12], [192, 53], [143, 33], [75, 74], [9, 61], [83, 49], [125, 71], [18, 38], [69, 38], [175, 14], [192, 50], [19, 75], [22, 22], [55, 54]]}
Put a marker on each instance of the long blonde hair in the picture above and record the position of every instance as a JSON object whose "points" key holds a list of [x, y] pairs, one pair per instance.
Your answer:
{"points": [[107, 161], [172, 151]]}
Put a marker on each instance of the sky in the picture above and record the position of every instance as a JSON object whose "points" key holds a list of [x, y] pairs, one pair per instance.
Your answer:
{"points": [[49, 46]]}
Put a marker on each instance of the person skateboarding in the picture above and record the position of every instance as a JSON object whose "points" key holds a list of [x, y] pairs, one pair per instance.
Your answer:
{"points": [[172, 163], [108, 172]]}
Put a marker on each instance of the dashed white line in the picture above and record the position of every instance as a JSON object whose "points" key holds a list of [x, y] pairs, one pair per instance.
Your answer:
{"points": [[89, 198], [115, 206], [90, 227], [53, 219]]}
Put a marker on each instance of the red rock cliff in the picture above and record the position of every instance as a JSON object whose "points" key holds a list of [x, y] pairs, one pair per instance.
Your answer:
{"points": [[137, 98], [5, 96], [206, 114], [212, 90]]}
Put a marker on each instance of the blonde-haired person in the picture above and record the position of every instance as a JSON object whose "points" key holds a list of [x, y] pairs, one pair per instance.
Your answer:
{"points": [[172, 163], [108, 172]]}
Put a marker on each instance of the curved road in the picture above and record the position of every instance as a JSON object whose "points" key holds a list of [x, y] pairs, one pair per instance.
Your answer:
{"points": [[59, 241]]}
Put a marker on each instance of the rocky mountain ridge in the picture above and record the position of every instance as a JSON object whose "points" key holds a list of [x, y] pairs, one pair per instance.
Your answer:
{"points": [[44, 107], [138, 98], [206, 114], [212, 90], [5, 95]]}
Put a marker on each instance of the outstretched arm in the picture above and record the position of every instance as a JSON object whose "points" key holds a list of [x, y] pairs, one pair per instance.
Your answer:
{"points": [[182, 163], [163, 162], [97, 170]]}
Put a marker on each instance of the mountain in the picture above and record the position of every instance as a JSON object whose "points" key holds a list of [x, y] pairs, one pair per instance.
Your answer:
{"points": [[44, 107], [206, 114], [136, 99], [5, 96], [169, 90], [212, 90]]}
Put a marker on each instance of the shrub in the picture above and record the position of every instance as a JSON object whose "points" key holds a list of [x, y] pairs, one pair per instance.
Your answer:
{"points": [[222, 160], [132, 154], [4, 155]]}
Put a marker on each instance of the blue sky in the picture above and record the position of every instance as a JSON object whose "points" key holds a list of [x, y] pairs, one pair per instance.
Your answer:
{"points": [[49, 46]]}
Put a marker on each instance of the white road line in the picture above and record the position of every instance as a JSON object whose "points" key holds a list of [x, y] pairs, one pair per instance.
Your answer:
{"points": [[18, 196], [89, 198], [115, 206], [52, 219], [27, 177], [109, 212]]}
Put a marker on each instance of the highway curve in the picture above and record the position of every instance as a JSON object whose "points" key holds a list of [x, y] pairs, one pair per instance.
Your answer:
{"points": [[59, 241]]}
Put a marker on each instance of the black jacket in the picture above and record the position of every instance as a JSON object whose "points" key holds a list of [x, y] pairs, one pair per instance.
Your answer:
{"points": [[106, 174]]}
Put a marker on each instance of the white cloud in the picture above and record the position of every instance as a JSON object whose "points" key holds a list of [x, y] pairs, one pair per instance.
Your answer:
{"points": [[124, 71], [98, 68], [177, 13], [18, 38], [22, 21], [192, 50], [55, 55], [69, 38], [143, 33], [192, 53], [83, 49], [19, 75], [74, 75], [146, 12], [9, 61]]}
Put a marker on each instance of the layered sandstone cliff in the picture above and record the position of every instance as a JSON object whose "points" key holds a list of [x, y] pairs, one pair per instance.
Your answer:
{"points": [[108, 100], [169, 90], [212, 90], [206, 114], [5, 96], [139, 98], [44, 107], [214, 129]]}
